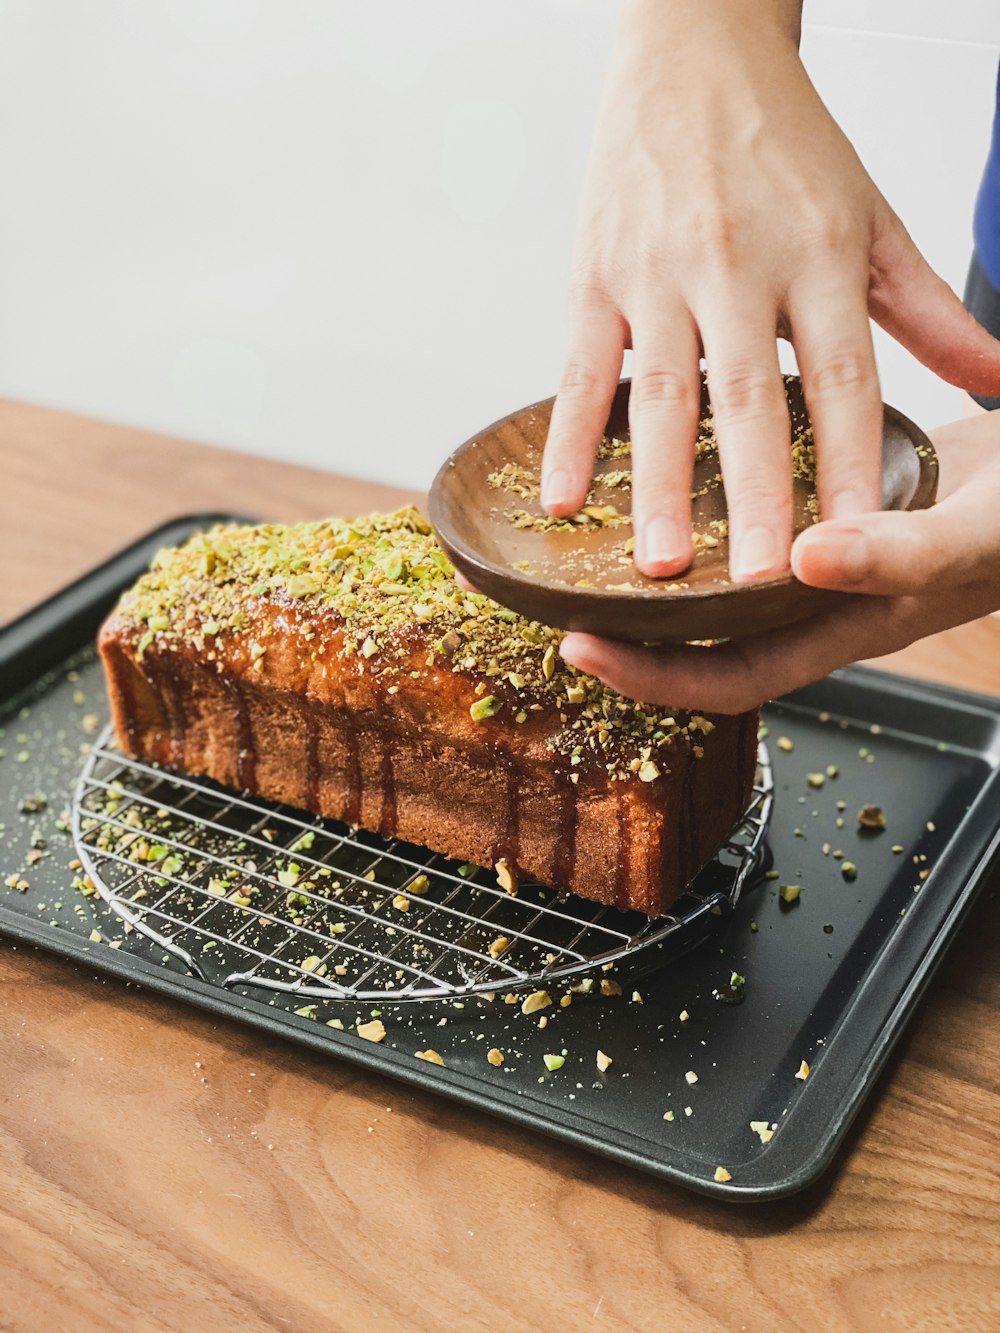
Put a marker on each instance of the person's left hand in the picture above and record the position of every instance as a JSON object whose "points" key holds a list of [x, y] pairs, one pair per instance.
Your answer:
{"points": [[914, 573]]}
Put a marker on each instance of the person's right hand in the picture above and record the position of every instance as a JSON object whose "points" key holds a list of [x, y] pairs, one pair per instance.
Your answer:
{"points": [[724, 207]]}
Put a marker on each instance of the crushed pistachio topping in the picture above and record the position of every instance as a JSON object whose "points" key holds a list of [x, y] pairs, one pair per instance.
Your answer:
{"points": [[722, 1175], [872, 817], [604, 1062], [383, 584], [539, 999], [373, 1031], [506, 877]]}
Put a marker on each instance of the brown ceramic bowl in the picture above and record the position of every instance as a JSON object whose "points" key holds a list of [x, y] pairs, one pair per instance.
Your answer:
{"points": [[472, 519]]}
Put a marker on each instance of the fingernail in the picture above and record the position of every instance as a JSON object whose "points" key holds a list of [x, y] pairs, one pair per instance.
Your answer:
{"points": [[556, 489], [661, 541], [847, 548], [573, 651], [758, 552]]}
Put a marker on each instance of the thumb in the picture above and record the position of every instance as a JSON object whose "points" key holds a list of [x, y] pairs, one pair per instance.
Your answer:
{"points": [[896, 554], [920, 310]]}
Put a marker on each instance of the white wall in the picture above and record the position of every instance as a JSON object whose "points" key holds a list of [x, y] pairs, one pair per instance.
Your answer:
{"points": [[337, 231]]}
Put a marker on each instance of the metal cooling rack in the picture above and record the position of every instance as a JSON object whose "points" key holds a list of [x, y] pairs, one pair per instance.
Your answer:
{"points": [[249, 893]]}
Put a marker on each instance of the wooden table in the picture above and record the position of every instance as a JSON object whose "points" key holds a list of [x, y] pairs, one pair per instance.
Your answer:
{"points": [[163, 1171]]}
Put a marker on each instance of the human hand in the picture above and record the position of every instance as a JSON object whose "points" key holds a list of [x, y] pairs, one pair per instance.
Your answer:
{"points": [[914, 573], [723, 207]]}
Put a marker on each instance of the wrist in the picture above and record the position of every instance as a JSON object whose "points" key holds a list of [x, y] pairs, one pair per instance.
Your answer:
{"points": [[697, 21]]}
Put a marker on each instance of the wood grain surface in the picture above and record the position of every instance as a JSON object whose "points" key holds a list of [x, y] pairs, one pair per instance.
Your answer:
{"points": [[161, 1170]]}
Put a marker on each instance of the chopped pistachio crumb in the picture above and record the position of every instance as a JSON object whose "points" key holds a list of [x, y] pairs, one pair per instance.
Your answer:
{"points": [[668, 1115], [539, 999], [506, 877], [785, 743], [554, 1062], [604, 1062], [849, 870], [691, 1077], [486, 707], [722, 1175], [871, 817], [789, 893]]}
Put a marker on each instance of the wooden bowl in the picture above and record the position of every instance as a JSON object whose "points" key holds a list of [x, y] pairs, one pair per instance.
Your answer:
{"points": [[539, 573]]}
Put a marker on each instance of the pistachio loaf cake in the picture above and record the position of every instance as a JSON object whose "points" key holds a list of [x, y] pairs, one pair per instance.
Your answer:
{"points": [[338, 667]]}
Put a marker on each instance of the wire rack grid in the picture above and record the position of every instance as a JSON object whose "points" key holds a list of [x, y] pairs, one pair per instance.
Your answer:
{"points": [[249, 893]]}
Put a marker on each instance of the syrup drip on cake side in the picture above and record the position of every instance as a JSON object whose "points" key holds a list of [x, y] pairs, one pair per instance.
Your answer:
{"points": [[565, 854], [246, 752]]}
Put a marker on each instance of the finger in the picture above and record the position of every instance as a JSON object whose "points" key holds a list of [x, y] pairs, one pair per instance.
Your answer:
{"points": [[921, 311], [833, 345], [464, 583], [738, 676], [752, 427], [955, 543], [580, 412], [664, 404]]}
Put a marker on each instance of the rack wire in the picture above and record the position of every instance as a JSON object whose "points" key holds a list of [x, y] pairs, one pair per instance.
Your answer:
{"points": [[249, 893]]}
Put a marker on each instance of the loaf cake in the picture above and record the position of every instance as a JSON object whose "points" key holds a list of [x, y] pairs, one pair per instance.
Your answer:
{"points": [[338, 667]]}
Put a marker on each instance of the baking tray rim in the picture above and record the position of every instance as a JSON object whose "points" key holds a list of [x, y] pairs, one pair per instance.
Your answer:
{"points": [[804, 1154]]}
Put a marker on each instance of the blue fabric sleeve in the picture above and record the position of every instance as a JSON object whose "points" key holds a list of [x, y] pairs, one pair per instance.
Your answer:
{"points": [[986, 223]]}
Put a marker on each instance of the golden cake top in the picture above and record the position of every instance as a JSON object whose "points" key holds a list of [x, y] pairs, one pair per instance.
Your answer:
{"points": [[382, 576]]}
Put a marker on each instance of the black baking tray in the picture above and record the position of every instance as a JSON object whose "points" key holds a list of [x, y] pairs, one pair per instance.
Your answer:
{"points": [[830, 980]]}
